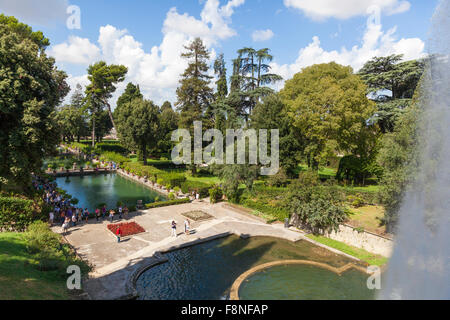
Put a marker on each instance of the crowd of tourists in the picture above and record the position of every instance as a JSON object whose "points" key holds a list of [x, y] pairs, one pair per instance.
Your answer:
{"points": [[65, 213]]}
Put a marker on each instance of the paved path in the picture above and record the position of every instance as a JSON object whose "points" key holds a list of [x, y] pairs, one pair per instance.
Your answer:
{"points": [[117, 264]]}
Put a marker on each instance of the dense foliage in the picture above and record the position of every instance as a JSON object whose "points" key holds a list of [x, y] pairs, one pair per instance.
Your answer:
{"points": [[30, 88]]}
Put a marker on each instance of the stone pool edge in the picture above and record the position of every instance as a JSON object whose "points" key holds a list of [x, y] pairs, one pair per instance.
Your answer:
{"points": [[234, 291]]}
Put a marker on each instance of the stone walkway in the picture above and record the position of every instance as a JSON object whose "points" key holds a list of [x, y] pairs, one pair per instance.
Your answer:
{"points": [[116, 265]]}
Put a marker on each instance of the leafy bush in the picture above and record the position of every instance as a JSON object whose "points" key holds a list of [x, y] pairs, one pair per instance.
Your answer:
{"points": [[202, 188], [215, 194], [114, 147], [171, 196], [308, 178], [356, 201], [114, 157], [166, 203], [16, 213], [318, 209], [278, 180], [51, 254], [40, 238]]}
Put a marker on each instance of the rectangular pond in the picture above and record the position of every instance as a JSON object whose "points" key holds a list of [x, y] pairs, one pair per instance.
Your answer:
{"points": [[92, 190]]}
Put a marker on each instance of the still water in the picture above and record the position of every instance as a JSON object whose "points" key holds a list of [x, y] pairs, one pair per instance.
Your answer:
{"points": [[207, 272], [92, 190]]}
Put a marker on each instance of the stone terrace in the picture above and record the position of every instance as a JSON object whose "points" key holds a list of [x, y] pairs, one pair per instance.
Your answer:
{"points": [[116, 265]]}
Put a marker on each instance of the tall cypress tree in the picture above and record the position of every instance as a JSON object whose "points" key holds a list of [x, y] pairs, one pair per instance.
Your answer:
{"points": [[194, 94]]}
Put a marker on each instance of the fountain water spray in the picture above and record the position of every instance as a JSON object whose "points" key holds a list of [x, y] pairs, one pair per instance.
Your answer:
{"points": [[419, 267]]}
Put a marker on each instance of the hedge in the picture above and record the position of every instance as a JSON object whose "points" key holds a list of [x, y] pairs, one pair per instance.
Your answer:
{"points": [[15, 214], [114, 156], [167, 203], [200, 187], [175, 179]]}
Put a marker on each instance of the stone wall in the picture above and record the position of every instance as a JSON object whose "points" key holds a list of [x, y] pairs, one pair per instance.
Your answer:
{"points": [[365, 240]]}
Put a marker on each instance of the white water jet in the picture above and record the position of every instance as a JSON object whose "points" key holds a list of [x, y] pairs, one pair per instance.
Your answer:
{"points": [[419, 267]]}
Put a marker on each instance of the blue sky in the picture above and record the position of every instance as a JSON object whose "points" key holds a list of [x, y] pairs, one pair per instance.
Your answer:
{"points": [[148, 36]]}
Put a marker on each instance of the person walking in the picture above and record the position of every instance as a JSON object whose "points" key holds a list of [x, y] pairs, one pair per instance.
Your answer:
{"points": [[104, 212], [74, 220], [111, 215], [51, 216], [174, 228], [187, 226], [65, 225], [97, 214], [120, 212], [86, 214], [125, 212], [118, 234]]}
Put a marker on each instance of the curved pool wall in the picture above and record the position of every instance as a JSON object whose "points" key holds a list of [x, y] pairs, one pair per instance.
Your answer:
{"points": [[92, 190], [302, 280], [207, 271]]}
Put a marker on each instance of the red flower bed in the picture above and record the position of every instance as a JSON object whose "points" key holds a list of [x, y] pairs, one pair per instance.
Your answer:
{"points": [[127, 228]]}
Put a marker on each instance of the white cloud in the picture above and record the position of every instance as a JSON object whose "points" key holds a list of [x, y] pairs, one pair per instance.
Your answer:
{"points": [[40, 12], [375, 43], [76, 50], [158, 71], [344, 9], [262, 35]]}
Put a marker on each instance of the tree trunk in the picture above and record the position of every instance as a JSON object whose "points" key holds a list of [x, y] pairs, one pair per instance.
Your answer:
{"points": [[144, 153], [93, 131], [111, 115]]}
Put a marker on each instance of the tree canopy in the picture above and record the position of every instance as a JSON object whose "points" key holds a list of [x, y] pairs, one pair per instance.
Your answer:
{"points": [[103, 79], [329, 108], [391, 84], [31, 87]]}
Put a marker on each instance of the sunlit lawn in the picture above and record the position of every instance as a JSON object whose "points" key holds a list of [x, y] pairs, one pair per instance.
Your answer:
{"points": [[369, 218], [370, 258], [19, 279]]}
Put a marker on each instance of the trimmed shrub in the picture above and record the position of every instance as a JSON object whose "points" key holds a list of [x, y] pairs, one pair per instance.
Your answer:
{"points": [[215, 194], [114, 157], [166, 203], [171, 196]]}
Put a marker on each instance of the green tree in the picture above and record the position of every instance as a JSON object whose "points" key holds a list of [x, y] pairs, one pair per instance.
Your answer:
{"points": [[30, 89], [271, 113], [254, 75], [316, 208], [194, 94], [138, 124], [221, 72], [103, 79], [391, 84], [329, 108], [168, 123], [131, 92], [399, 158], [233, 175]]}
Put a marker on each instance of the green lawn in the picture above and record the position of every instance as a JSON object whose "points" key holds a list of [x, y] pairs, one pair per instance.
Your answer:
{"points": [[369, 189], [207, 179], [326, 172], [19, 279], [369, 218], [370, 258]]}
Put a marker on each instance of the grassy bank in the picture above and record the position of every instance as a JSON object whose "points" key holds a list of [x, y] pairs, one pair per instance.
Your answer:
{"points": [[370, 258], [19, 277]]}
